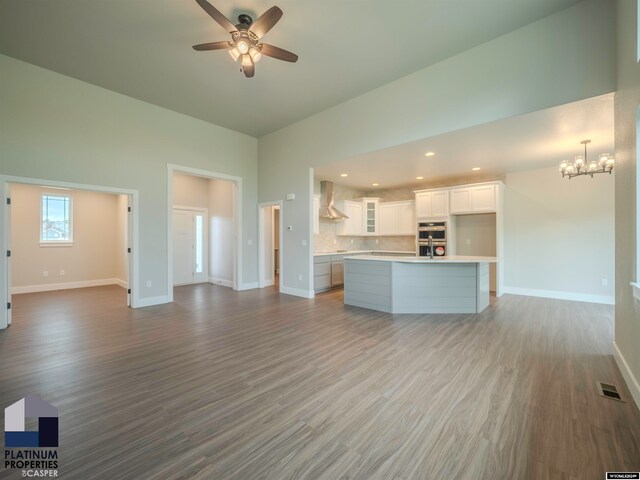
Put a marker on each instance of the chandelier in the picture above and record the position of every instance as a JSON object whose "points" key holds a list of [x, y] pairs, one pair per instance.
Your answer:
{"points": [[581, 166]]}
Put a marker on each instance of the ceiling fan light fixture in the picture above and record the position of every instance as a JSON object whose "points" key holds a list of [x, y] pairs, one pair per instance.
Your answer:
{"points": [[243, 47], [235, 53], [255, 54], [246, 61]]}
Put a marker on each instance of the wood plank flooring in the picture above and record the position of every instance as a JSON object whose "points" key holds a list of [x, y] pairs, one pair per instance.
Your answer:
{"points": [[254, 385]]}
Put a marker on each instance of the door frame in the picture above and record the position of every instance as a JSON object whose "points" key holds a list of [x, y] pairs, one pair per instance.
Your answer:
{"points": [[133, 224], [205, 240], [237, 215], [261, 242]]}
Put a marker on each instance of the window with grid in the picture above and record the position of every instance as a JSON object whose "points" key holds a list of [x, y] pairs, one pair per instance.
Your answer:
{"points": [[55, 219]]}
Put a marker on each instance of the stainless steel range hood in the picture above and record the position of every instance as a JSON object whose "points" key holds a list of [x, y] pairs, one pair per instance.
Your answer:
{"points": [[327, 210]]}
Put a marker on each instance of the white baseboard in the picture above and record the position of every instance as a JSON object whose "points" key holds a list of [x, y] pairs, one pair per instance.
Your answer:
{"points": [[50, 287], [122, 283], [298, 292], [248, 286], [266, 283], [629, 378], [578, 297], [221, 281], [149, 301]]}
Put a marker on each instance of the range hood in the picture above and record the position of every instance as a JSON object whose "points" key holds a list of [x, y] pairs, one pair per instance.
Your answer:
{"points": [[327, 210]]}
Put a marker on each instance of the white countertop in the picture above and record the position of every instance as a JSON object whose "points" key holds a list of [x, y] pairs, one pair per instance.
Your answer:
{"points": [[414, 259], [358, 252]]}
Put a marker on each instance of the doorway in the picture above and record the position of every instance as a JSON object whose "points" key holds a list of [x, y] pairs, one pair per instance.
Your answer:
{"points": [[66, 236], [270, 243], [190, 240]]}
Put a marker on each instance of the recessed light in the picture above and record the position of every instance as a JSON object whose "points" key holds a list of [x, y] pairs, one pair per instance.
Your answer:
{"points": [[419, 178], [475, 169], [344, 175], [429, 154], [375, 184]]}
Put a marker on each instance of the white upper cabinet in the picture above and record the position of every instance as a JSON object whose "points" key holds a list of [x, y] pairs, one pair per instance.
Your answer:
{"points": [[316, 214], [483, 198], [371, 215], [351, 226], [440, 203], [473, 199], [432, 204], [443, 202], [397, 218]]}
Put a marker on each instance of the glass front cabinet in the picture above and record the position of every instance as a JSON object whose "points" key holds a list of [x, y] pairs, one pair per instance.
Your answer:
{"points": [[371, 215]]}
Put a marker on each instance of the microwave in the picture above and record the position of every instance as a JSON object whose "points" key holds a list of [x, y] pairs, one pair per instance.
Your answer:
{"points": [[436, 230]]}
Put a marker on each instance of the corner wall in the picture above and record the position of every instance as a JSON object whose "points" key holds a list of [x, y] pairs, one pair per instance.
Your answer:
{"points": [[627, 327]]}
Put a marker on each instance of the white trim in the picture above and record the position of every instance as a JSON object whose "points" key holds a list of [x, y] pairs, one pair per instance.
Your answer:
{"points": [[262, 282], [632, 383], [237, 213], [578, 297], [50, 287], [134, 196], [149, 301], [201, 277], [121, 283], [297, 292], [311, 213], [247, 286], [636, 290], [220, 281]]}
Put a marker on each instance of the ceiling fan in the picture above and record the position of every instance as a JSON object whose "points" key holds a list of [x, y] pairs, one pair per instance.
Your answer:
{"points": [[245, 38]]}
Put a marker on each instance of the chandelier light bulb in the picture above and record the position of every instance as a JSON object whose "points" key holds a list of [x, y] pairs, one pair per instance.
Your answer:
{"points": [[603, 159], [579, 161], [570, 169], [243, 47], [610, 163], [255, 54], [563, 166], [593, 166], [235, 53]]}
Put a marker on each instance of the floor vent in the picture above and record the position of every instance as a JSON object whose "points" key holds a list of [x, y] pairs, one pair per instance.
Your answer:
{"points": [[609, 391]]}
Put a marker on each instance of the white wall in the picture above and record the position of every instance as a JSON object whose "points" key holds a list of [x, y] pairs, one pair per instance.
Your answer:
{"points": [[221, 231], [190, 191], [554, 61], [92, 256], [627, 335], [559, 235], [58, 128], [476, 235]]}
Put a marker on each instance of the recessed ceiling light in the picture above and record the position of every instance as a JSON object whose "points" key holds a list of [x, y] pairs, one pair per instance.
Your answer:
{"points": [[344, 175], [375, 184], [475, 169], [429, 154], [419, 178]]}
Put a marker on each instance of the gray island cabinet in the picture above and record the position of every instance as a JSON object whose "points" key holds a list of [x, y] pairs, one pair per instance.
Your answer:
{"points": [[454, 284]]}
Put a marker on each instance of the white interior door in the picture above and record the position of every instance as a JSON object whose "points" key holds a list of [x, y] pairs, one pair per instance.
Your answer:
{"points": [[189, 247], [183, 247], [7, 224]]}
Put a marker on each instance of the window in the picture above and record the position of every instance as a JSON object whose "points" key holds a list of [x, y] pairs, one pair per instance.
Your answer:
{"points": [[55, 219]]}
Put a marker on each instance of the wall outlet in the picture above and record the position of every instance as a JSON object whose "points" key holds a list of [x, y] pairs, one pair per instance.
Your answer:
{"points": [[468, 241], [249, 242], [148, 283], [300, 277], [377, 242], [605, 282], [61, 273], [304, 243], [335, 241], [352, 241], [45, 273]]}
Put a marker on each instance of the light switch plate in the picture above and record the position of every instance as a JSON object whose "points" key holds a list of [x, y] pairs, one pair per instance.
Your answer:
{"points": [[291, 196]]}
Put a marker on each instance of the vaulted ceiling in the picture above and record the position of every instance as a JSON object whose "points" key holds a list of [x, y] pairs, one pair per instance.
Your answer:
{"points": [[347, 47]]}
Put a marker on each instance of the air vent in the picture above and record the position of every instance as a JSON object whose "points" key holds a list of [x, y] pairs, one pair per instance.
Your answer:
{"points": [[609, 391]]}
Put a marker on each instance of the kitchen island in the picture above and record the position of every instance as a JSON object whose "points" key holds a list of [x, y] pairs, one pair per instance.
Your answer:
{"points": [[450, 284]]}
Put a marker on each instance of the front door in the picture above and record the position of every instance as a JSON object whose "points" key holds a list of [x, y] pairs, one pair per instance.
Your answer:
{"points": [[189, 240]]}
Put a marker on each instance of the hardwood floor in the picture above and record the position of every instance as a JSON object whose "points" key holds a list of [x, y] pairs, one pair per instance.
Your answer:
{"points": [[253, 385]]}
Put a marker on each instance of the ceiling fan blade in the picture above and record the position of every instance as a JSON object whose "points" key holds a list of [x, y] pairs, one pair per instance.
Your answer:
{"points": [[212, 46], [248, 67], [266, 22], [277, 52], [217, 16]]}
